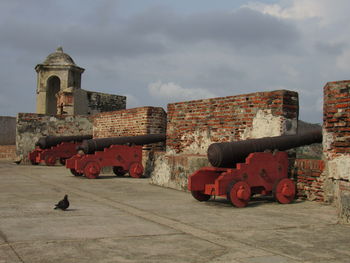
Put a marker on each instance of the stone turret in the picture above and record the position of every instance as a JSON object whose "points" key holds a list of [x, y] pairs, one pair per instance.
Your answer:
{"points": [[57, 75]]}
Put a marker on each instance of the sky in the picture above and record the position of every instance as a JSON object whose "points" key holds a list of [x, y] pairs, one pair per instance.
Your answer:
{"points": [[157, 52]]}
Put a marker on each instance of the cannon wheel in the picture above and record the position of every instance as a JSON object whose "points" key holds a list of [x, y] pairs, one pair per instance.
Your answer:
{"points": [[75, 173], [238, 193], [284, 191], [136, 170], [50, 160], [33, 162], [63, 161], [119, 171], [92, 170], [200, 196]]}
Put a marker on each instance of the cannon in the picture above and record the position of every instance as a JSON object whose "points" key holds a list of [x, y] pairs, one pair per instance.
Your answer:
{"points": [[124, 154], [91, 146], [49, 149], [49, 141], [245, 168]]}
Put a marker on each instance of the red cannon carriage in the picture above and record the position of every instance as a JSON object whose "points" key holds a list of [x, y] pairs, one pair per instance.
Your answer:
{"points": [[49, 149], [124, 154], [244, 168]]}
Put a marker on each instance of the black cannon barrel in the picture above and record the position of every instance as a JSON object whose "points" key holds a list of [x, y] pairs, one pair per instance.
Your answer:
{"points": [[228, 154], [90, 146], [49, 141]]}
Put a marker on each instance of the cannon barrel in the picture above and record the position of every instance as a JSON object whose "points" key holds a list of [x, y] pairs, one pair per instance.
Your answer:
{"points": [[228, 154], [90, 146], [49, 141]]}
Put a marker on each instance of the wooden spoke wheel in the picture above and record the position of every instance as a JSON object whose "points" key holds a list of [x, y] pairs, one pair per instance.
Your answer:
{"points": [[75, 173], [119, 171], [50, 160], [239, 193], [284, 191], [92, 170], [200, 196], [136, 170]]}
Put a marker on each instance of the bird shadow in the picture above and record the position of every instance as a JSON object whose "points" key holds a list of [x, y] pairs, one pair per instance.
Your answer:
{"points": [[68, 210], [71, 209]]}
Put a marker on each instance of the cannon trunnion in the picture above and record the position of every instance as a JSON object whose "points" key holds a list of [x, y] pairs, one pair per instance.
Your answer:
{"points": [[244, 168], [49, 149]]}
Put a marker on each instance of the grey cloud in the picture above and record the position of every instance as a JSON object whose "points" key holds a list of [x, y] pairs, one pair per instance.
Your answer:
{"points": [[223, 77], [333, 49], [81, 40], [243, 28], [155, 31]]}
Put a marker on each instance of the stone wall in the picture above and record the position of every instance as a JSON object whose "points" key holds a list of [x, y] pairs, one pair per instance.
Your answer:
{"points": [[133, 122], [336, 144], [7, 130], [194, 125], [96, 102], [82, 102], [32, 126]]}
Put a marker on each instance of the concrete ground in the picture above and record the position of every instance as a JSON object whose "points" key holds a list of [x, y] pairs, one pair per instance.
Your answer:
{"points": [[116, 219]]}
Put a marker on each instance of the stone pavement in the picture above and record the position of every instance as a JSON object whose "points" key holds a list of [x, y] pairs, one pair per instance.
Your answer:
{"points": [[115, 219]]}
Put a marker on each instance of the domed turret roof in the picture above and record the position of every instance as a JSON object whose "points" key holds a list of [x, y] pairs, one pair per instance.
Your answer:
{"points": [[58, 58]]}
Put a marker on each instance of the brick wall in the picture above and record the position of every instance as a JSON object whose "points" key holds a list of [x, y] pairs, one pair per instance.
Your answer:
{"points": [[309, 179], [8, 152], [130, 122], [32, 126], [193, 125], [337, 119], [336, 143], [133, 122]]}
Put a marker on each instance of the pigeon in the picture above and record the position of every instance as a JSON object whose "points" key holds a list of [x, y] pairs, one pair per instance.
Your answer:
{"points": [[18, 160], [63, 204]]}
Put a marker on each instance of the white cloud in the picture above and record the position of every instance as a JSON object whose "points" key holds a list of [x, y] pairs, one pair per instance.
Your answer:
{"points": [[294, 9], [173, 92], [326, 11]]}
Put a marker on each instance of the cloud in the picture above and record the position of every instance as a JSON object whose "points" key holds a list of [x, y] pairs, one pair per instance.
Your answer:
{"points": [[326, 12], [292, 44], [105, 32], [243, 28], [292, 10], [172, 92]]}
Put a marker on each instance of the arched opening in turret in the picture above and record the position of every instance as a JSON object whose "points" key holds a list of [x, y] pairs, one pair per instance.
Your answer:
{"points": [[53, 87]]}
